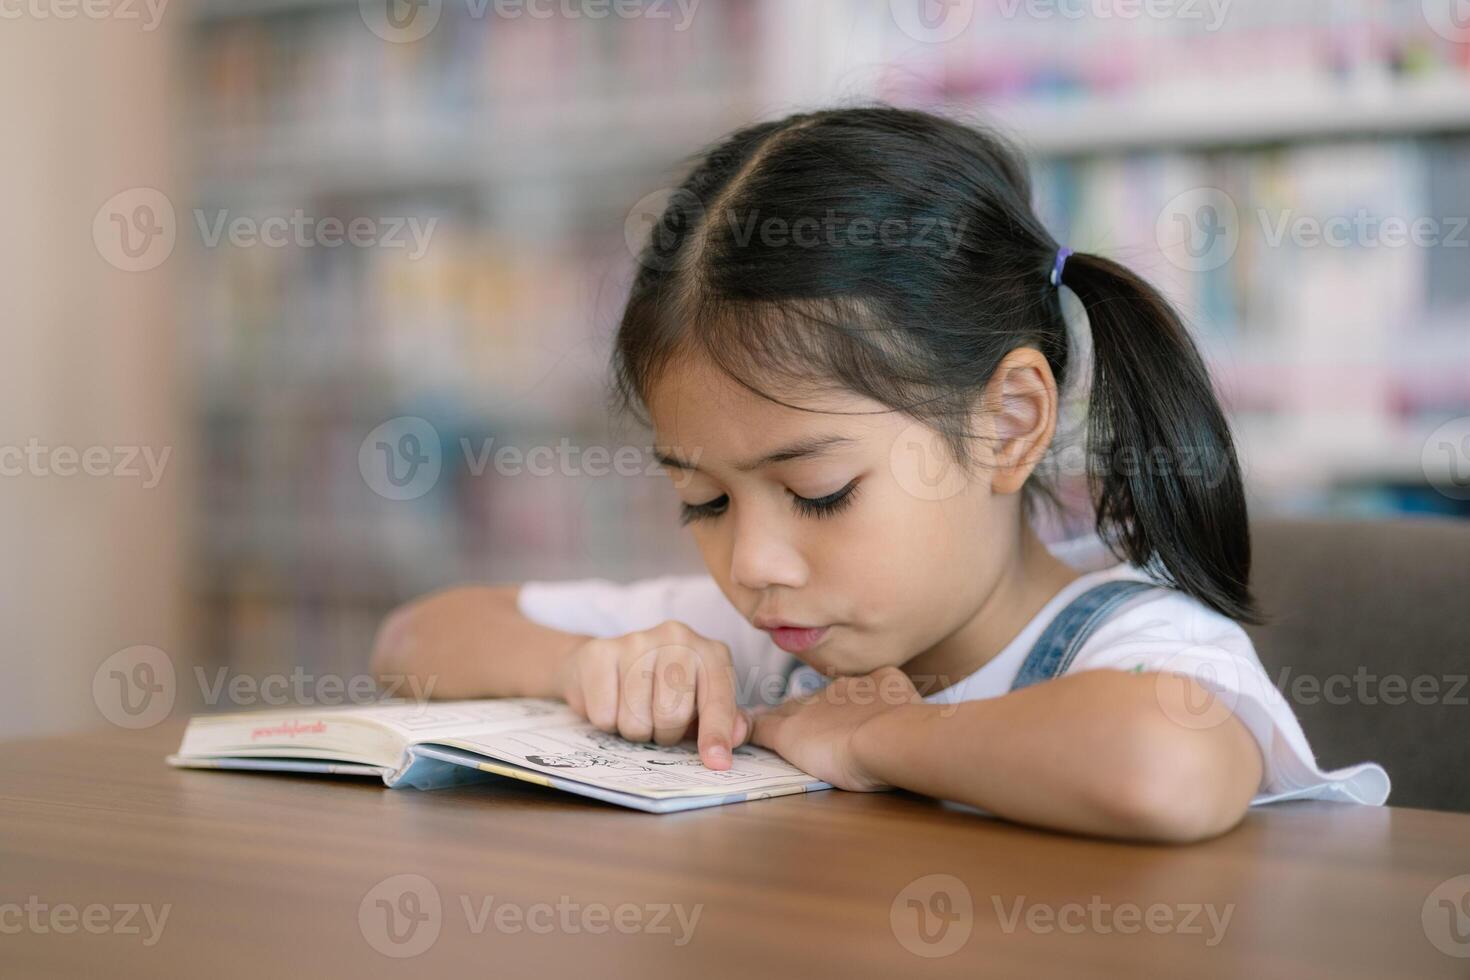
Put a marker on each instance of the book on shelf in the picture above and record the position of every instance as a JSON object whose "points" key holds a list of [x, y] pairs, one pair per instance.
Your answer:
{"points": [[430, 745]]}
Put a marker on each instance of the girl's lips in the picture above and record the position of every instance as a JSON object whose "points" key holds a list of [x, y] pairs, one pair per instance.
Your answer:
{"points": [[794, 640]]}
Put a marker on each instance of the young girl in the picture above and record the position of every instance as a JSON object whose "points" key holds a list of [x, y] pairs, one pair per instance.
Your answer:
{"points": [[847, 335]]}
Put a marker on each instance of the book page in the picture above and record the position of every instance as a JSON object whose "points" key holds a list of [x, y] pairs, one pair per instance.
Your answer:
{"points": [[377, 734], [422, 721], [586, 754]]}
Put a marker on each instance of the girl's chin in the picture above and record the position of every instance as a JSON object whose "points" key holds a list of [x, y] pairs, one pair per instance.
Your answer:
{"points": [[839, 666]]}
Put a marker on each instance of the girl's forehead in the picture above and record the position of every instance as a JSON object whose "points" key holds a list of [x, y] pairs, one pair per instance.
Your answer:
{"points": [[696, 393], [732, 428]]}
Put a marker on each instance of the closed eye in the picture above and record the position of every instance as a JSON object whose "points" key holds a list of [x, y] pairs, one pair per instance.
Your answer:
{"points": [[826, 506], [705, 511]]}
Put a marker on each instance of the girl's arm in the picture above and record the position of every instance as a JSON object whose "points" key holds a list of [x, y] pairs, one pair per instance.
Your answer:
{"points": [[1097, 752], [472, 642]]}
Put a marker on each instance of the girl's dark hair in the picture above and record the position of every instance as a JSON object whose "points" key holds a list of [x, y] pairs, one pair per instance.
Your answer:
{"points": [[894, 253]]}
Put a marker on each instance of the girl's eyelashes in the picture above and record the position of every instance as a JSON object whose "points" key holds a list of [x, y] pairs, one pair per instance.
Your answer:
{"points": [[826, 506], [699, 512]]}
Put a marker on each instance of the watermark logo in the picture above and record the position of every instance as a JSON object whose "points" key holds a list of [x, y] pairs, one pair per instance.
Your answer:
{"points": [[933, 916], [401, 459], [1211, 699], [1446, 916], [135, 230], [400, 21], [923, 465], [406, 21], [656, 224], [401, 916], [932, 21], [1198, 230], [135, 687], [1445, 458], [1450, 19]]}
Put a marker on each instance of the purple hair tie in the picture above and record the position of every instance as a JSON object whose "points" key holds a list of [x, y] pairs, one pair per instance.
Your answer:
{"points": [[1058, 265]]}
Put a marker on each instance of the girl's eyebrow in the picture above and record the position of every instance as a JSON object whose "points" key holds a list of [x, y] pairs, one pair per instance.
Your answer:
{"points": [[801, 449]]}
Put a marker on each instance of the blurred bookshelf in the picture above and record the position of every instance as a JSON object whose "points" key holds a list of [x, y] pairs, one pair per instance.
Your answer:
{"points": [[1337, 362], [527, 141]]}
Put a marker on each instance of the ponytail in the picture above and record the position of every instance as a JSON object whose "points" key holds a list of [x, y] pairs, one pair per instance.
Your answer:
{"points": [[1163, 468]]}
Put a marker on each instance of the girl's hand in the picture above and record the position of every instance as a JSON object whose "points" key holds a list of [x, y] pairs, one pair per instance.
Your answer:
{"points": [[814, 731], [660, 685]]}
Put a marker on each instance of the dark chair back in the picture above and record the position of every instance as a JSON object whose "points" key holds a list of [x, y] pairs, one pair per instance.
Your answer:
{"points": [[1370, 644]]}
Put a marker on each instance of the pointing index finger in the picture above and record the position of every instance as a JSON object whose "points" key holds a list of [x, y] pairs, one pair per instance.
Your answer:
{"points": [[718, 712]]}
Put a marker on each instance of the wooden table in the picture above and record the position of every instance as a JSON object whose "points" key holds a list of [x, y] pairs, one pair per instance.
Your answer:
{"points": [[270, 876]]}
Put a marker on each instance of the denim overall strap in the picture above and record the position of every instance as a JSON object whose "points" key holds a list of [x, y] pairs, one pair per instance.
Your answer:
{"points": [[1069, 630]]}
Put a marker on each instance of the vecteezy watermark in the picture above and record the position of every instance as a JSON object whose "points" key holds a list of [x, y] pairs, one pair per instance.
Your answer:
{"points": [[1199, 686], [137, 229], [302, 230], [810, 686], [1450, 19], [1211, 12], [938, 21], [135, 687], [119, 462], [1361, 229], [658, 221], [1209, 463], [932, 916], [1446, 916], [1204, 919], [1200, 229], [406, 21], [749, 227], [401, 459], [149, 13], [403, 916], [1445, 458], [1366, 687], [656, 224], [924, 465], [932, 21], [304, 688], [40, 917], [568, 459]]}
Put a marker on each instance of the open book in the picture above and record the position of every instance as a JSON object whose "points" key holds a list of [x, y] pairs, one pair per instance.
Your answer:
{"points": [[427, 745]]}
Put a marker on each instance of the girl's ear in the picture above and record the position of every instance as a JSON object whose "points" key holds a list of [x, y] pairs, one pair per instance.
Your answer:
{"points": [[1018, 412]]}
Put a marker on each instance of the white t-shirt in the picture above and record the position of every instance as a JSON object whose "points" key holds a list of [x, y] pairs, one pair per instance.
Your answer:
{"points": [[1161, 630]]}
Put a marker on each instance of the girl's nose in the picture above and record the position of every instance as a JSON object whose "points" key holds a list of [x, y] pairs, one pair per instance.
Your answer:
{"points": [[763, 555]]}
